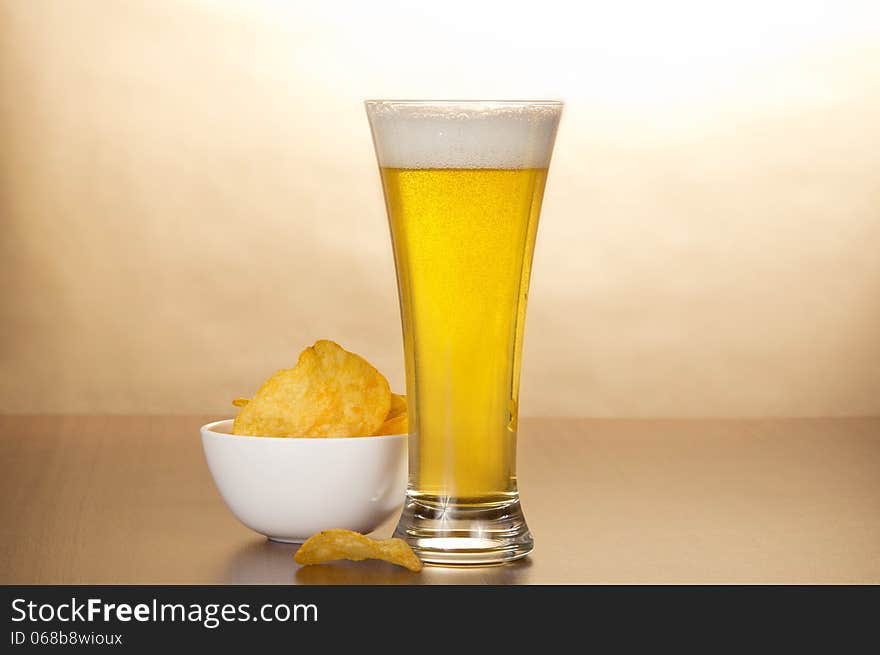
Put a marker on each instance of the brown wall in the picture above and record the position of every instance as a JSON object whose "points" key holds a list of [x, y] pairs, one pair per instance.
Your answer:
{"points": [[188, 196]]}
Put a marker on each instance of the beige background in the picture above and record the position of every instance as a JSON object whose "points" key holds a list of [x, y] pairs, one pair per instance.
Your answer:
{"points": [[188, 196]]}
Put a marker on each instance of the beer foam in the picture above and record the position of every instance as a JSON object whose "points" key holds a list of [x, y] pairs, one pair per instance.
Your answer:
{"points": [[450, 134]]}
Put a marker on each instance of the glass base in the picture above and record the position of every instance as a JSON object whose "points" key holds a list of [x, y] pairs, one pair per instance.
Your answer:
{"points": [[450, 533]]}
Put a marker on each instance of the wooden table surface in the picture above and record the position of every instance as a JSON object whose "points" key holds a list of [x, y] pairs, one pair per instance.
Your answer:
{"points": [[130, 500]]}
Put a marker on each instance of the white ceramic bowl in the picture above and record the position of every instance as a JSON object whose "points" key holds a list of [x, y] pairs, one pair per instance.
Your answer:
{"points": [[288, 489]]}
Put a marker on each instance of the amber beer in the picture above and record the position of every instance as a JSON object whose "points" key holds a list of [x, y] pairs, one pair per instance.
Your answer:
{"points": [[463, 187]]}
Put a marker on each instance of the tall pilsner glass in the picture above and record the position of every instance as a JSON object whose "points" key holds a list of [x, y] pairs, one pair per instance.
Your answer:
{"points": [[463, 185]]}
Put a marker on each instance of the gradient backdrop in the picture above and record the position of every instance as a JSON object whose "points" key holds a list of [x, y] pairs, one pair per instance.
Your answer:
{"points": [[188, 196]]}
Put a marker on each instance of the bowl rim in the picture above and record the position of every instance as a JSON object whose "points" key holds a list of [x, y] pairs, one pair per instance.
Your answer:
{"points": [[208, 429]]}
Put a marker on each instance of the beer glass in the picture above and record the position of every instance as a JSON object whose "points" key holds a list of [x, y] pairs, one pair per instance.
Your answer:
{"points": [[463, 184]]}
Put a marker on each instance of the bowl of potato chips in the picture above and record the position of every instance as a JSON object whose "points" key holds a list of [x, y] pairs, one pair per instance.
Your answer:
{"points": [[321, 445]]}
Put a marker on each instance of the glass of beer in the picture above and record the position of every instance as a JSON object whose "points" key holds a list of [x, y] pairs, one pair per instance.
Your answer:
{"points": [[463, 185]]}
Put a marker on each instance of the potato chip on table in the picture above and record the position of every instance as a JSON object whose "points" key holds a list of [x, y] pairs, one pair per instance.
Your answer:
{"points": [[330, 545]]}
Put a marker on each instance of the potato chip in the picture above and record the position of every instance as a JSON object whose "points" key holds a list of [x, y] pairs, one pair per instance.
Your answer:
{"points": [[397, 425], [329, 545], [398, 406], [240, 402], [329, 393]]}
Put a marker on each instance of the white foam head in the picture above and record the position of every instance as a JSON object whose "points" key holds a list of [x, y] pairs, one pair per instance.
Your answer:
{"points": [[450, 134]]}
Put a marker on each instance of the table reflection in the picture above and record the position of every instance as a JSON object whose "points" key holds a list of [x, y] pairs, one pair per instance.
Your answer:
{"points": [[260, 561]]}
